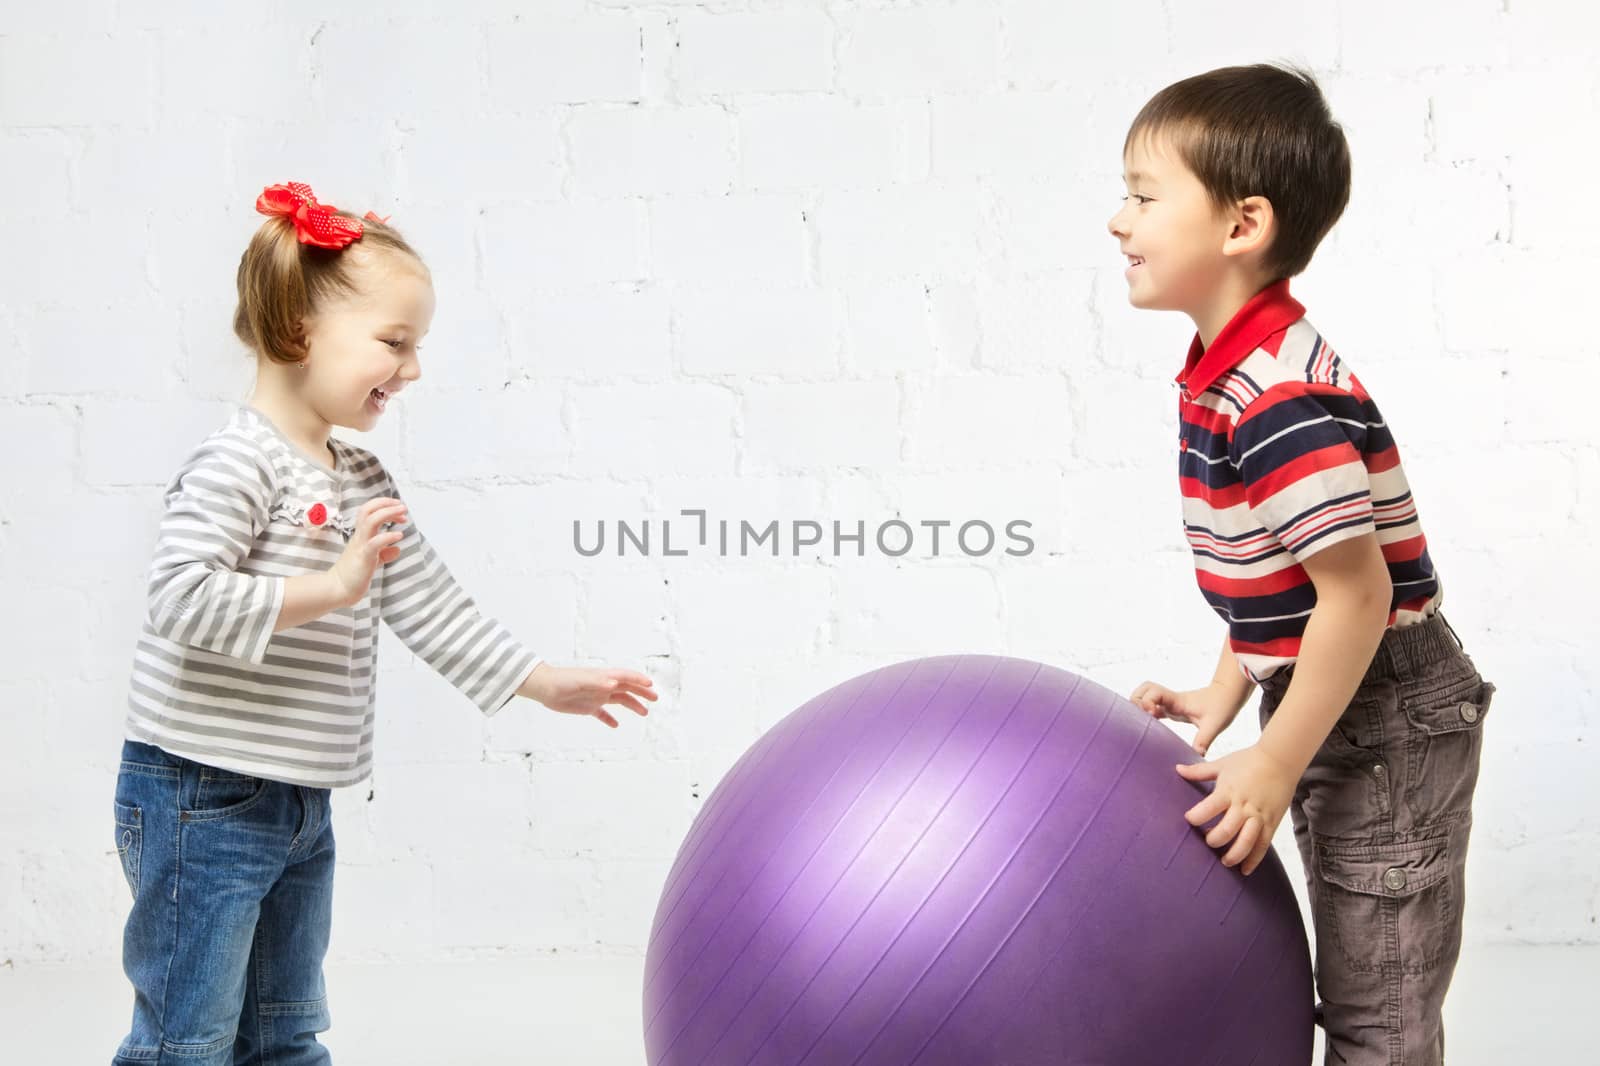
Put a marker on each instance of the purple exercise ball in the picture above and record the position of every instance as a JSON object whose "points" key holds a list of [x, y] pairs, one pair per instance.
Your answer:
{"points": [[969, 860]]}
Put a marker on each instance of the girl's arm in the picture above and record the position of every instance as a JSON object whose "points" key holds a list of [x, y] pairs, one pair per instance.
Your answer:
{"points": [[439, 622], [215, 505], [307, 597]]}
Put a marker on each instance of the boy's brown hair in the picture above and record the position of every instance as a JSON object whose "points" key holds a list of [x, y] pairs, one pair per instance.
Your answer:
{"points": [[1261, 130], [282, 281]]}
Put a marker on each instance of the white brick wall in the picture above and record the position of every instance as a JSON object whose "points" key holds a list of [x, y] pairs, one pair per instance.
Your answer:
{"points": [[779, 260]]}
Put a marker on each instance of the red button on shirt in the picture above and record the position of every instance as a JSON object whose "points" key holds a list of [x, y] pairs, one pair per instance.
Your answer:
{"points": [[317, 515]]}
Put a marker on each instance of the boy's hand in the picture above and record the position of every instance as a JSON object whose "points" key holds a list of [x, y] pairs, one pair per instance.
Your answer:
{"points": [[580, 690], [1212, 709], [1253, 790]]}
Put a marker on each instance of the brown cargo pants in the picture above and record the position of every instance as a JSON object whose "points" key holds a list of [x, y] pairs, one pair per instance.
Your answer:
{"points": [[1382, 816]]}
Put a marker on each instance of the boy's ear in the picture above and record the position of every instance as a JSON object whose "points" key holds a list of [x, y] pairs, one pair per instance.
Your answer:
{"points": [[1253, 226]]}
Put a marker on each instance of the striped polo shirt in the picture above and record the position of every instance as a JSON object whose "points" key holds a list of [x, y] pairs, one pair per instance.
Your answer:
{"points": [[1282, 453], [212, 682]]}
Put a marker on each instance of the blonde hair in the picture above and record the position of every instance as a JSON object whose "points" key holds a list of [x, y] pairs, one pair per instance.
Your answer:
{"points": [[282, 281]]}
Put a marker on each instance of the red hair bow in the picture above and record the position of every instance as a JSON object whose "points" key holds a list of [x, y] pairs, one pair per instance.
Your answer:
{"points": [[314, 223]]}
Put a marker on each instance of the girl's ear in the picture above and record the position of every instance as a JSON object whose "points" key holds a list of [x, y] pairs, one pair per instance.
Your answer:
{"points": [[299, 343]]}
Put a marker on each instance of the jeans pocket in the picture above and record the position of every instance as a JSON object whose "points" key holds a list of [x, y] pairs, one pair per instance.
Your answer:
{"points": [[1445, 722], [130, 841], [1388, 905], [222, 794]]}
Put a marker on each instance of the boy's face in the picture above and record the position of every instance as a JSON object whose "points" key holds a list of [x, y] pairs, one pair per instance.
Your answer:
{"points": [[1170, 231]]}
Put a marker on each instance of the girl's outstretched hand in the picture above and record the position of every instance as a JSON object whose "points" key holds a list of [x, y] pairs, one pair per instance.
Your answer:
{"points": [[585, 690]]}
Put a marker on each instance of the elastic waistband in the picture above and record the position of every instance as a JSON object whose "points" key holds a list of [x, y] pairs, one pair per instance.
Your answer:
{"points": [[1402, 651]]}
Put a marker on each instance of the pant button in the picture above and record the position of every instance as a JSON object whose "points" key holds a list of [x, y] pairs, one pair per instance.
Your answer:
{"points": [[1469, 713], [1394, 879]]}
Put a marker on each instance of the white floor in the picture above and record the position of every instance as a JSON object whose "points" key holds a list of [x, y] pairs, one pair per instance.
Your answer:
{"points": [[1508, 1005]]}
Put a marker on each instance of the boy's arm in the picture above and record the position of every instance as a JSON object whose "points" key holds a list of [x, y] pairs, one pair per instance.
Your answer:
{"points": [[1230, 678], [1354, 592], [1298, 448], [1254, 786]]}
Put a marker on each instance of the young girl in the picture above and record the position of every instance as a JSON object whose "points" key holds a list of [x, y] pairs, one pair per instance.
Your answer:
{"points": [[251, 693]]}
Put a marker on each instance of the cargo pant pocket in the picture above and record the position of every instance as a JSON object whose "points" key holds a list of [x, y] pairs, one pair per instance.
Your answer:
{"points": [[1445, 747], [1387, 907]]}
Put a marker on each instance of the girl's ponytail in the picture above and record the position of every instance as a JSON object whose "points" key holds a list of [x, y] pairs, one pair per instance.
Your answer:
{"points": [[294, 265]]}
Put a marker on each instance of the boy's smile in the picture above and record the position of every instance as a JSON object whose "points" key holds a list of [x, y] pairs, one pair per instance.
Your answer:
{"points": [[1182, 252], [1165, 228]]}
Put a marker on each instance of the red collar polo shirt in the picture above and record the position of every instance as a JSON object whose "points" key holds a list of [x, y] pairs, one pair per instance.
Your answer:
{"points": [[1282, 453]]}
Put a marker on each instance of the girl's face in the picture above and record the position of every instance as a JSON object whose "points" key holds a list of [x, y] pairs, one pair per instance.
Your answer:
{"points": [[1169, 230], [363, 350]]}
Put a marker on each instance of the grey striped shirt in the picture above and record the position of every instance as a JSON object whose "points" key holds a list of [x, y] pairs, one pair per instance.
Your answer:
{"points": [[212, 682]]}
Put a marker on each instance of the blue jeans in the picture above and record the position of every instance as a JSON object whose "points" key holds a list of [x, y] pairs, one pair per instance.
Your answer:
{"points": [[232, 881]]}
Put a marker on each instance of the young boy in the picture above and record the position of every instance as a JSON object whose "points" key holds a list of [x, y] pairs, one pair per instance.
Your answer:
{"points": [[1309, 546]]}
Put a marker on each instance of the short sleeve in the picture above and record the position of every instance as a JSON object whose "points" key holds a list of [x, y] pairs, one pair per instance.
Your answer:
{"points": [[1298, 449]]}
